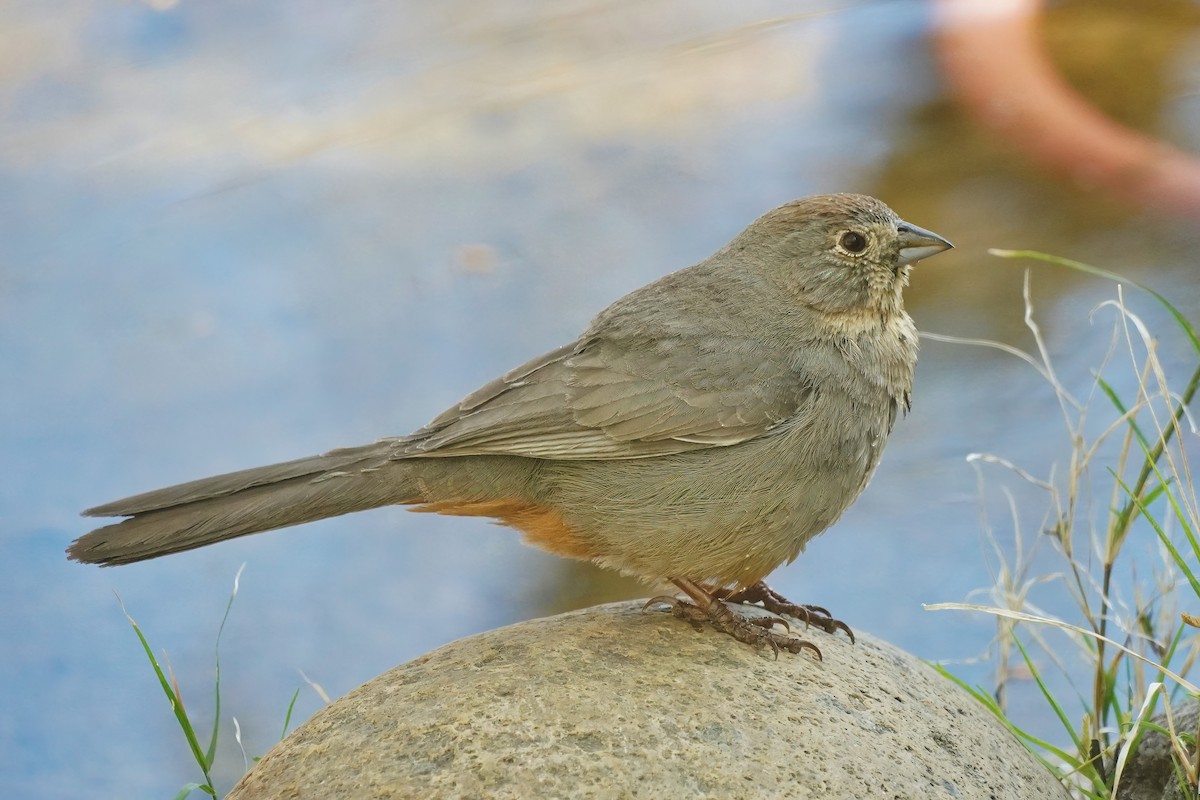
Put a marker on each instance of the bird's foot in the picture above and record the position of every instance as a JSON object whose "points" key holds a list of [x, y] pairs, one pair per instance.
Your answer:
{"points": [[755, 631], [776, 603]]}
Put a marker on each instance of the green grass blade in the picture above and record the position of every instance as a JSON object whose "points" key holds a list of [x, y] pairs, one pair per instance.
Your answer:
{"points": [[1111, 393], [210, 754], [1181, 516], [1188, 393], [1083, 765], [1163, 537], [1079, 266], [1053, 703], [1022, 735], [287, 720], [176, 702]]}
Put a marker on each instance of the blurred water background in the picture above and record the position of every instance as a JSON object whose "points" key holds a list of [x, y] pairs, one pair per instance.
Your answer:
{"points": [[234, 233]]}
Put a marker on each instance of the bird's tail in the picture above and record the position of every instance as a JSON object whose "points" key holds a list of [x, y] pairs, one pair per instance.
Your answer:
{"points": [[213, 509]]}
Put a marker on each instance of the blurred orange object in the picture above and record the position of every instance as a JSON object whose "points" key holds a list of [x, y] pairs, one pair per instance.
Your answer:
{"points": [[992, 58]]}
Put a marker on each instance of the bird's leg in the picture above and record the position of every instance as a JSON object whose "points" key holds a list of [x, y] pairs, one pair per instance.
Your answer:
{"points": [[706, 608], [776, 603]]}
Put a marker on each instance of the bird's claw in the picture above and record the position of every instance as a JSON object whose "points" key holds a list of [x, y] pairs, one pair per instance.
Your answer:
{"points": [[754, 631], [772, 601]]}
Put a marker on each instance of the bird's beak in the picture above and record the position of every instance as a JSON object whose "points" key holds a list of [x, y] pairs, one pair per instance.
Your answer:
{"points": [[917, 243]]}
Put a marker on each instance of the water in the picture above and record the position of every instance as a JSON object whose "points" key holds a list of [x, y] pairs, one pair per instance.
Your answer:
{"points": [[238, 235]]}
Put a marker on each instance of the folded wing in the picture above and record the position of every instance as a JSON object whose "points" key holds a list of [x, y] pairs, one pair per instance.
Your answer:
{"points": [[603, 399]]}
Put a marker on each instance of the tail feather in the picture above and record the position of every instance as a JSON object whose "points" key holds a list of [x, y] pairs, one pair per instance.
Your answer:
{"points": [[202, 512], [233, 482]]}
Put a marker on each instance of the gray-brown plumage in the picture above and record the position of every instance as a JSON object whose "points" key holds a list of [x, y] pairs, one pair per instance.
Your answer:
{"points": [[701, 430]]}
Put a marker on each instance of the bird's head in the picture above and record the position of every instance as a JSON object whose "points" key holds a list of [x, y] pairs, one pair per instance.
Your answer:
{"points": [[840, 253]]}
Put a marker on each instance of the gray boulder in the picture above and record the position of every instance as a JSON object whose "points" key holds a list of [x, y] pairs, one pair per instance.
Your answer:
{"points": [[613, 702], [1150, 773]]}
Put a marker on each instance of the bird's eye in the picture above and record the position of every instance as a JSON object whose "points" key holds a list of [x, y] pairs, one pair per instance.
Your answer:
{"points": [[853, 242]]}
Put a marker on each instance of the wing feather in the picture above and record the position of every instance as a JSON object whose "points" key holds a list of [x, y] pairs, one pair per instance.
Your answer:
{"points": [[603, 399]]}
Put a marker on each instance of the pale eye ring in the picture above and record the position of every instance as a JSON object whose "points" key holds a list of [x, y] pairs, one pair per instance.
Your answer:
{"points": [[853, 242]]}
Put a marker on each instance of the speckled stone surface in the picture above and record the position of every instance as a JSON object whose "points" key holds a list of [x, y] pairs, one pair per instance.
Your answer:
{"points": [[1150, 772], [611, 702]]}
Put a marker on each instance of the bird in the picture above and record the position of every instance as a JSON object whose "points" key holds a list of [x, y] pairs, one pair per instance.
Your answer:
{"points": [[699, 432]]}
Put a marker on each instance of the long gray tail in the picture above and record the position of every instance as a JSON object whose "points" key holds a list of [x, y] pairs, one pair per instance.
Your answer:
{"points": [[213, 509]]}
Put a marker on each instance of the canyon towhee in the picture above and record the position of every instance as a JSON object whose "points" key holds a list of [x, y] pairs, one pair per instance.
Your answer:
{"points": [[701, 430]]}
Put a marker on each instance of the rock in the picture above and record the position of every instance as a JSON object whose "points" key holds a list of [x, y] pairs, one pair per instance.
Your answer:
{"points": [[611, 702], [1150, 771]]}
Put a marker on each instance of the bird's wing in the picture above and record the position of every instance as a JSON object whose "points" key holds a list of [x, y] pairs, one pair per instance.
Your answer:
{"points": [[603, 399]]}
